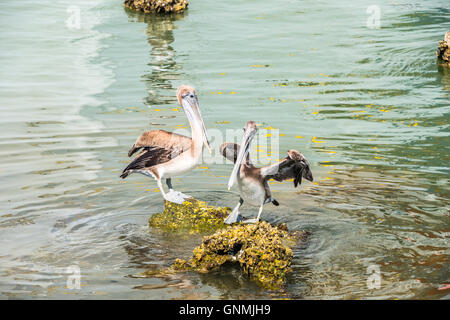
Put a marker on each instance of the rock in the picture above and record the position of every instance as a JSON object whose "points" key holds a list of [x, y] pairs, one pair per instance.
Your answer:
{"points": [[443, 52], [158, 6], [192, 216], [263, 251]]}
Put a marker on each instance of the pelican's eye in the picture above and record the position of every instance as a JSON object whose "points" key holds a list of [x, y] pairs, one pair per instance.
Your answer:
{"points": [[191, 96]]}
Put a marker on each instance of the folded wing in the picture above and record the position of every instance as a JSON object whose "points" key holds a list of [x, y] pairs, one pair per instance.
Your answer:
{"points": [[158, 146], [162, 139]]}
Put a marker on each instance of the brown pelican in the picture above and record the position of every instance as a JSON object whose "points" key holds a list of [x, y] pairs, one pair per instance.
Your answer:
{"points": [[166, 154], [252, 181]]}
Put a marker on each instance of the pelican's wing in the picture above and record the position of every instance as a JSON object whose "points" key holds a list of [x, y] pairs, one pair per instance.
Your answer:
{"points": [[230, 150], [173, 142], [149, 157], [159, 147], [294, 166]]}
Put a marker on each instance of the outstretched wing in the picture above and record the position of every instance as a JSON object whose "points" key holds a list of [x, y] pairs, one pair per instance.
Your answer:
{"points": [[230, 150], [159, 146], [294, 166]]}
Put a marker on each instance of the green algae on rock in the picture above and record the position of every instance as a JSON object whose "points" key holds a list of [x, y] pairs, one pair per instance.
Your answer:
{"points": [[262, 250], [158, 6], [192, 216], [443, 51]]}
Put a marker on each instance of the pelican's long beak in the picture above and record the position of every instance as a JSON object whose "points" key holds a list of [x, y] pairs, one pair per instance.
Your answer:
{"points": [[243, 152], [192, 109]]}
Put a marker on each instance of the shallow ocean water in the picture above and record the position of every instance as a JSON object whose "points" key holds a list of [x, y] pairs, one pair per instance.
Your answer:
{"points": [[369, 108]]}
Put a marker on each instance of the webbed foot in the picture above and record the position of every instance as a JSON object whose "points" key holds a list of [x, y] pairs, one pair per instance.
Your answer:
{"points": [[234, 216], [176, 197], [251, 221]]}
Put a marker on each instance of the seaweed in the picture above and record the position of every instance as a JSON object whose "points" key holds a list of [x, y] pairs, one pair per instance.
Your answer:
{"points": [[156, 6], [192, 216], [263, 251], [443, 51]]}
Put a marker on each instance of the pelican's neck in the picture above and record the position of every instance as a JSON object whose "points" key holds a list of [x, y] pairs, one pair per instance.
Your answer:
{"points": [[197, 139]]}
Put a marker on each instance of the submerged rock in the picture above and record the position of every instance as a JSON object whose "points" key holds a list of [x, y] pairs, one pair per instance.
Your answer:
{"points": [[443, 52], [262, 250], [158, 6], [192, 216]]}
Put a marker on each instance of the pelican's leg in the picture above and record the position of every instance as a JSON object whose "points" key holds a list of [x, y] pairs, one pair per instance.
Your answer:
{"points": [[169, 183], [158, 181], [235, 216], [259, 212], [172, 195], [257, 218]]}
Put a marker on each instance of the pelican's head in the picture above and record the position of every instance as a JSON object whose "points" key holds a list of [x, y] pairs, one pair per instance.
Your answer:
{"points": [[250, 130], [187, 97]]}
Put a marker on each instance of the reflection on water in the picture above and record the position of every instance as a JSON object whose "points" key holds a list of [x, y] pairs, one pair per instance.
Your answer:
{"points": [[164, 68], [369, 109], [444, 77]]}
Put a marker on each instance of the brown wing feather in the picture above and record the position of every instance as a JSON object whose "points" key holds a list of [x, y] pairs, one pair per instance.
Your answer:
{"points": [[177, 143], [159, 147], [294, 166], [286, 170], [230, 150], [149, 157]]}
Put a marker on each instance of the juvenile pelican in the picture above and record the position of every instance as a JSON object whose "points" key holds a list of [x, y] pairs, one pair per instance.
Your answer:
{"points": [[252, 181], [165, 154]]}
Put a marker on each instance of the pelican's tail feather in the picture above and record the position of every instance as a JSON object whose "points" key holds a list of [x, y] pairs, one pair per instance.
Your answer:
{"points": [[125, 174]]}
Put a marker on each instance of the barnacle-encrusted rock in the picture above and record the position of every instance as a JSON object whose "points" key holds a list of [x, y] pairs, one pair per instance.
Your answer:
{"points": [[192, 216], [158, 6], [262, 250], [443, 52]]}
